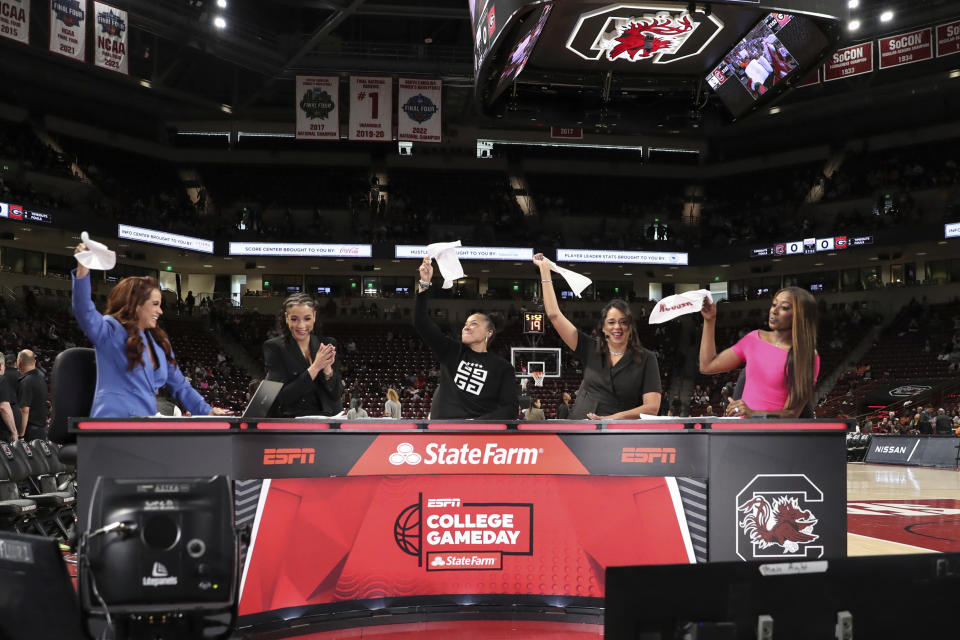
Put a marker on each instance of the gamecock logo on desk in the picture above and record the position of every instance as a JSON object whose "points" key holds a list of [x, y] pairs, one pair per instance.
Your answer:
{"points": [[775, 520]]}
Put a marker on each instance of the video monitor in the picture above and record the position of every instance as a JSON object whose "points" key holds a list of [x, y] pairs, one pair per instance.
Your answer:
{"points": [[517, 60], [781, 46]]}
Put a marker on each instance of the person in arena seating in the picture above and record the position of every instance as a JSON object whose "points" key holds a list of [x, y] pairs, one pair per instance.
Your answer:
{"points": [[781, 364], [306, 364], [474, 383], [134, 356], [9, 430], [392, 407], [563, 410], [534, 412], [356, 409], [621, 378]]}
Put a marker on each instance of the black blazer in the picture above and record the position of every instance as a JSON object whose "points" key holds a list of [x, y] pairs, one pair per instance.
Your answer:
{"points": [[300, 395]]}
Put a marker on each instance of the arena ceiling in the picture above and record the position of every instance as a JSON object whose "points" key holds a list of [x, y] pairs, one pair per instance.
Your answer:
{"points": [[193, 69]]}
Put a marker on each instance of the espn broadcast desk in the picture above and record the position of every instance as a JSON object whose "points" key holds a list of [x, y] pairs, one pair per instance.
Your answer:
{"points": [[350, 518]]}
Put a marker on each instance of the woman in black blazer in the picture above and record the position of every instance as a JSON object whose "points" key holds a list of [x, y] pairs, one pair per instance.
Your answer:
{"points": [[306, 364]]}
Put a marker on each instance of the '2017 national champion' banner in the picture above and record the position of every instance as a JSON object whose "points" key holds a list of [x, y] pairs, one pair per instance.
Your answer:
{"points": [[317, 102], [15, 20], [110, 31], [68, 28], [419, 110]]}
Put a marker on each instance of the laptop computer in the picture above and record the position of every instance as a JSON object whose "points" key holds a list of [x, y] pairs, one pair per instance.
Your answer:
{"points": [[263, 400]]}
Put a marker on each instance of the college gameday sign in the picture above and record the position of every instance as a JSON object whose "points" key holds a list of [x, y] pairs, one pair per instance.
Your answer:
{"points": [[849, 62]]}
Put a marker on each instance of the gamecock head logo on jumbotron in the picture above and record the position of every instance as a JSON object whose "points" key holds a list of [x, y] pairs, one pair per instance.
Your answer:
{"points": [[775, 518]]}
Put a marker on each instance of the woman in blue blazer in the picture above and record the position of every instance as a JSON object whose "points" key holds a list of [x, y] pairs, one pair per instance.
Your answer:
{"points": [[134, 357]]}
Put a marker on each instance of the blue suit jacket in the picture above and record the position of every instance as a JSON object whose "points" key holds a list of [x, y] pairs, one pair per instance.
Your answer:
{"points": [[121, 393]]}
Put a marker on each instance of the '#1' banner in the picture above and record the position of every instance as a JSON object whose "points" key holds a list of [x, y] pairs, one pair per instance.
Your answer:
{"points": [[371, 109], [419, 113], [68, 28], [111, 32], [318, 107], [15, 20]]}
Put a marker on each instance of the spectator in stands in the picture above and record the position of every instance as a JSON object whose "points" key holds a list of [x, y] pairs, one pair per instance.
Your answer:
{"points": [[563, 410], [126, 384], [782, 364], [9, 430], [943, 422], [32, 397], [306, 364], [534, 412], [621, 378], [190, 302], [356, 409], [12, 380], [392, 407], [474, 383]]}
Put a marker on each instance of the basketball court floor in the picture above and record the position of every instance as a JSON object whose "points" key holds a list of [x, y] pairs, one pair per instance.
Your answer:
{"points": [[890, 510]]}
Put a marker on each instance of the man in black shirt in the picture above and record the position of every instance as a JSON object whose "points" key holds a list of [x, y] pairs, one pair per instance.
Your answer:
{"points": [[32, 396], [473, 382], [9, 426]]}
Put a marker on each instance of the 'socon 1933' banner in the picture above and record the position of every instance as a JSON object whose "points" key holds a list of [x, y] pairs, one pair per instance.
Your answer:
{"points": [[68, 28], [374, 537], [849, 62], [419, 110], [15, 20], [371, 109], [317, 101], [110, 31]]}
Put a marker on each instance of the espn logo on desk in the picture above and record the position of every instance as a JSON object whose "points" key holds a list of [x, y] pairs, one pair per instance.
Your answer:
{"points": [[305, 455], [646, 455]]}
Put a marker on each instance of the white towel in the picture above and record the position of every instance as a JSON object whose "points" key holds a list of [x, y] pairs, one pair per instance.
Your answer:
{"points": [[576, 281], [97, 256], [445, 253], [674, 306]]}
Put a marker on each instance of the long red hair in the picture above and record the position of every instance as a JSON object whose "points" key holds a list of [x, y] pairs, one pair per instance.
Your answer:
{"points": [[122, 304]]}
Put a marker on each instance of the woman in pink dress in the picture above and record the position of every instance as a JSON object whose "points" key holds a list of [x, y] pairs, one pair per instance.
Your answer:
{"points": [[781, 364]]}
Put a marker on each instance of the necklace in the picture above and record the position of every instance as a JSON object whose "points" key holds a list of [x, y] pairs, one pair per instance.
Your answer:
{"points": [[617, 353]]}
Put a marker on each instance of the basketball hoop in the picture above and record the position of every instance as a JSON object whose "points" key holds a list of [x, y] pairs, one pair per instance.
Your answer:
{"points": [[538, 377]]}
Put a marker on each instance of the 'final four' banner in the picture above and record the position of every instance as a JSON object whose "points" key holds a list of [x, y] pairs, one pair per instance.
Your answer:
{"points": [[15, 20], [318, 107], [419, 110], [111, 29], [68, 28]]}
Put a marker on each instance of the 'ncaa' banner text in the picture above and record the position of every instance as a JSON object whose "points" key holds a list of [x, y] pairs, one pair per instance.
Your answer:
{"points": [[371, 109], [317, 101], [419, 113], [15, 20], [111, 29], [68, 28]]}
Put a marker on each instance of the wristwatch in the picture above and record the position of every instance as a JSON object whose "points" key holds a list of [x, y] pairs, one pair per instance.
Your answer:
{"points": [[424, 285]]}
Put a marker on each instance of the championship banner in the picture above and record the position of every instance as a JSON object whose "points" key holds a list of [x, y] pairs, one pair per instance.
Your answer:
{"points": [[419, 113], [317, 101], [948, 38], [111, 31], [849, 62], [15, 20], [905, 48], [371, 109], [68, 28]]}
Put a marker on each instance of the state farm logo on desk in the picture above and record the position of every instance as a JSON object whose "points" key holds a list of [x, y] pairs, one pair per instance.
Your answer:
{"points": [[468, 453], [449, 534]]}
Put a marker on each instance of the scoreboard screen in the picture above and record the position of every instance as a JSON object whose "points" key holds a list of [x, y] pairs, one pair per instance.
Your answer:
{"points": [[533, 322]]}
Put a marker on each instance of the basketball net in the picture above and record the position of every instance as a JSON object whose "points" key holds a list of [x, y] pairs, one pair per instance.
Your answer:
{"points": [[538, 377]]}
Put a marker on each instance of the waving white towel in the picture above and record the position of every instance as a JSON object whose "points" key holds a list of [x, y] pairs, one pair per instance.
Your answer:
{"points": [[576, 281], [97, 255], [674, 306], [445, 253]]}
